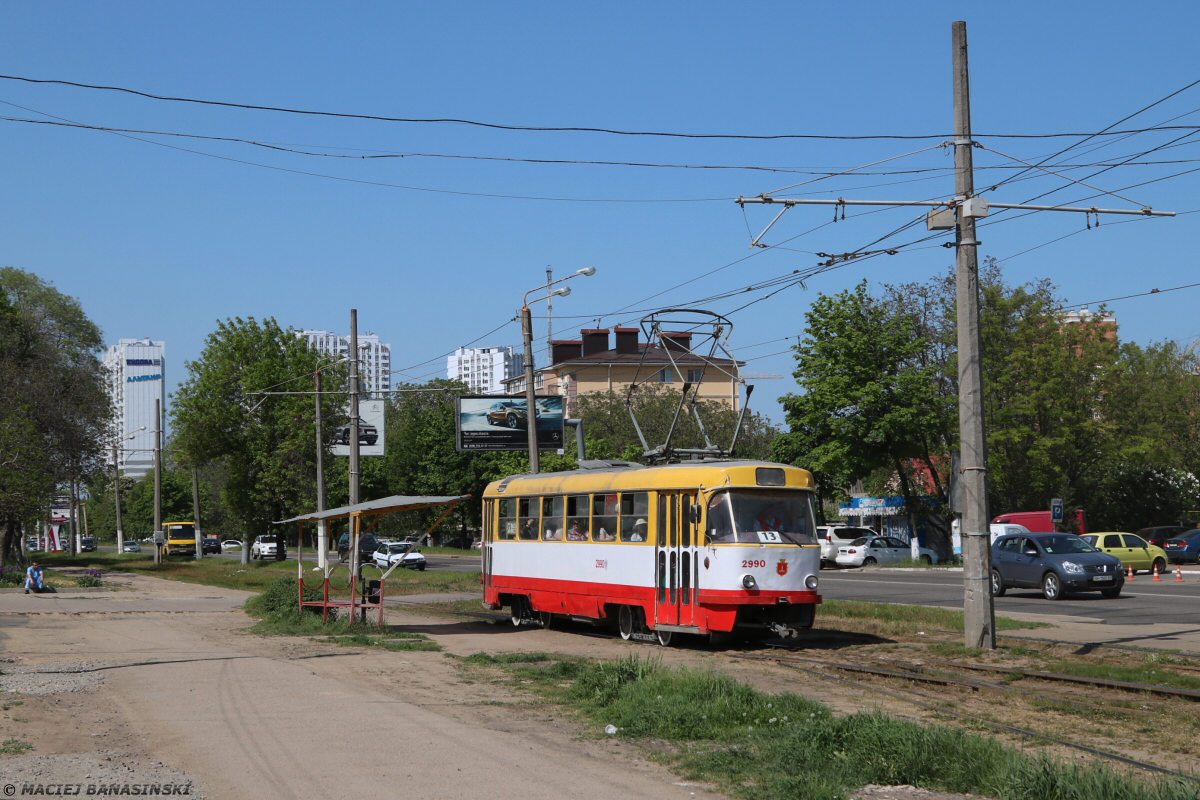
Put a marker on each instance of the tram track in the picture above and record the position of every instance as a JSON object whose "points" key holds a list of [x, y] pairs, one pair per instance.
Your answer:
{"points": [[924, 673], [997, 726]]}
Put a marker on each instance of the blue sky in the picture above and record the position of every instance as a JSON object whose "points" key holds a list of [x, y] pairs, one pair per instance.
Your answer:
{"points": [[158, 241]]}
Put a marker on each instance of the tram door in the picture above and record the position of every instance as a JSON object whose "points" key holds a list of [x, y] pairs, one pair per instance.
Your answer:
{"points": [[489, 527], [675, 560]]}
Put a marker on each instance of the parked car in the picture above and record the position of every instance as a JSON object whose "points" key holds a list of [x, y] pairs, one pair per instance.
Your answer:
{"points": [[33, 543], [389, 554], [367, 434], [1184, 548], [1133, 550], [870, 550], [131, 546], [367, 545], [268, 545], [507, 413], [1159, 534], [230, 544], [210, 545], [87, 544], [1005, 529], [1056, 563], [832, 537], [1040, 521]]}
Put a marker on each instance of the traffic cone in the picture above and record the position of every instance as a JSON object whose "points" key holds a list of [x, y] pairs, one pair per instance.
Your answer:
{"points": [[1179, 574], [1131, 578], [1156, 578]]}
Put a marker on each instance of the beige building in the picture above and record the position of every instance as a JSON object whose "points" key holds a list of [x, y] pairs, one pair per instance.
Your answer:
{"points": [[596, 363]]}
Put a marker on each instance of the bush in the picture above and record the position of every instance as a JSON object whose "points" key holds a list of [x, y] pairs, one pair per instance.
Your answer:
{"points": [[281, 598], [89, 578], [12, 576]]}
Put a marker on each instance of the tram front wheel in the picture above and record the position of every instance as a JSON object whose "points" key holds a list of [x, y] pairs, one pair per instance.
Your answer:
{"points": [[625, 622]]}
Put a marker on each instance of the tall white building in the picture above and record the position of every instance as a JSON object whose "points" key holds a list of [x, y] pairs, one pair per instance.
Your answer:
{"points": [[485, 368], [136, 370], [375, 358]]}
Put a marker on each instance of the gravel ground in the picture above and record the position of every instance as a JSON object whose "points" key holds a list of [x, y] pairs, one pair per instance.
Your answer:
{"points": [[104, 770], [53, 678], [874, 792]]}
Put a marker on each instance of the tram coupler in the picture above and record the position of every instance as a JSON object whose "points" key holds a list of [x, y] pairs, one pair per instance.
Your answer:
{"points": [[784, 632]]}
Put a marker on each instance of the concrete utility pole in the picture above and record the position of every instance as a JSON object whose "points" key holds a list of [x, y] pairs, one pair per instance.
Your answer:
{"points": [[76, 545], [530, 406], [322, 529], [196, 514], [157, 478], [117, 498], [980, 615], [354, 521], [960, 215]]}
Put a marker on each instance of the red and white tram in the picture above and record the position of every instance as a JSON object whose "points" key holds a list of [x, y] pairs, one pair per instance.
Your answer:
{"points": [[701, 547]]}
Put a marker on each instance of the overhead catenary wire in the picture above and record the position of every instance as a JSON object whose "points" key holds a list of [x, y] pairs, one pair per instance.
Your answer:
{"points": [[563, 129]]}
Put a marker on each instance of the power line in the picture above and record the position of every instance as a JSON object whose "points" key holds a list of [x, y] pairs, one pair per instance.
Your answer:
{"points": [[1129, 296], [559, 129]]}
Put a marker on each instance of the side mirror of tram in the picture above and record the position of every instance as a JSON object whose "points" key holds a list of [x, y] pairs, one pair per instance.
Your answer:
{"points": [[694, 513]]}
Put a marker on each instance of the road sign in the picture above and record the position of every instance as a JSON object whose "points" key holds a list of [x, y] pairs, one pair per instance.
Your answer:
{"points": [[1056, 510]]}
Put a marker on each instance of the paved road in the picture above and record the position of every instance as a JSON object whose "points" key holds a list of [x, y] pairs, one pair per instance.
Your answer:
{"points": [[1141, 602], [441, 563]]}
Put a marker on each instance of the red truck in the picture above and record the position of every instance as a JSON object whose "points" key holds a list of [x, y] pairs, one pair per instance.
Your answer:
{"points": [[1039, 521]]}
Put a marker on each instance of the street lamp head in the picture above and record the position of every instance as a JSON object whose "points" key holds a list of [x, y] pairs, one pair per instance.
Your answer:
{"points": [[563, 292], [586, 271]]}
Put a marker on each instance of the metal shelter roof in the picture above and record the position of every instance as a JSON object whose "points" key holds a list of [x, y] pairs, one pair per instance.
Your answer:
{"points": [[384, 505]]}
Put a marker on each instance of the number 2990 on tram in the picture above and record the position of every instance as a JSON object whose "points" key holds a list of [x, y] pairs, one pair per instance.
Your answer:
{"points": [[713, 547]]}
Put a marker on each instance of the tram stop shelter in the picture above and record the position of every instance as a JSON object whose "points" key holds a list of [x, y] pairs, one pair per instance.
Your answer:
{"points": [[362, 596]]}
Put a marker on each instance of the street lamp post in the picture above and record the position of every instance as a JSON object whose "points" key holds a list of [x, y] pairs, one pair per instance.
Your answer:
{"points": [[527, 333]]}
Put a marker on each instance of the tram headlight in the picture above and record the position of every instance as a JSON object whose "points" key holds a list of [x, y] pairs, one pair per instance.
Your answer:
{"points": [[749, 582], [811, 583]]}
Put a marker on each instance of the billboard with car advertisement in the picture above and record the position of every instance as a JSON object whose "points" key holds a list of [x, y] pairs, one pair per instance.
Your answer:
{"points": [[370, 430], [498, 422]]}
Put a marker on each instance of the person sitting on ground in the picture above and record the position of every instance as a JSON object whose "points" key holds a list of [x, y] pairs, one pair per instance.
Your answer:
{"points": [[33, 578]]}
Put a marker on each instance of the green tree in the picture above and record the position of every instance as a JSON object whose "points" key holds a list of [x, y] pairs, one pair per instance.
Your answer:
{"points": [[867, 400], [54, 411], [263, 443]]}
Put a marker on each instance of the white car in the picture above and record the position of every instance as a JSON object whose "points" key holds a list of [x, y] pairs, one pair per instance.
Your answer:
{"points": [[831, 537], [389, 554], [230, 544], [265, 547], [871, 550], [131, 546]]}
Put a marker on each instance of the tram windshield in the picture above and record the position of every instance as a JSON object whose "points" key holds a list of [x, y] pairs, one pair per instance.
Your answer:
{"points": [[756, 516]]}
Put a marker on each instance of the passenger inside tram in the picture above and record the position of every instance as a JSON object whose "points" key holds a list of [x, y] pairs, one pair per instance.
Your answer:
{"points": [[639, 531], [577, 532]]}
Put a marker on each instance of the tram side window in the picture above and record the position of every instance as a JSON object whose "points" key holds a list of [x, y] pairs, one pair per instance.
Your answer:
{"points": [[552, 519], [604, 517], [635, 511], [508, 520], [527, 523], [578, 518]]}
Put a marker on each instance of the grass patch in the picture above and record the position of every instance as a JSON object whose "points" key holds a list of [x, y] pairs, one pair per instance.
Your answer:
{"points": [[892, 619], [388, 640], [255, 576], [1137, 674], [771, 747], [14, 747], [954, 649]]}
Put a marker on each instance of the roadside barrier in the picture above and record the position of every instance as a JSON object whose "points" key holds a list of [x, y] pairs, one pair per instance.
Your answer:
{"points": [[1156, 578], [1179, 574]]}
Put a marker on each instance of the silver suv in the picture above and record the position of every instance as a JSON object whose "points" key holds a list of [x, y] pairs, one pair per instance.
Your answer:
{"points": [[832, 537]]}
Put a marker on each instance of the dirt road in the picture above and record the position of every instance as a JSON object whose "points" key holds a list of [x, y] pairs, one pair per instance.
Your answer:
{"points": [[189, 696]]}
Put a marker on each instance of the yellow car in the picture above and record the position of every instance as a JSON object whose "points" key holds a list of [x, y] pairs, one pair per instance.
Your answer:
{"points": [[1133, 550]]}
